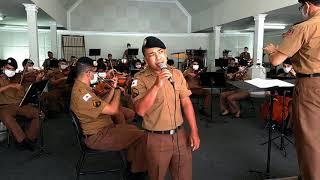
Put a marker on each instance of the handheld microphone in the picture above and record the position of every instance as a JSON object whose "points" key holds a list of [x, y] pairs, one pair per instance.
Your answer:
{"points": [[164, 67]]}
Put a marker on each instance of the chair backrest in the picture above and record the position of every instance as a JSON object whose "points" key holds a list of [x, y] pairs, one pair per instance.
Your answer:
{"points": [[78, 129]]}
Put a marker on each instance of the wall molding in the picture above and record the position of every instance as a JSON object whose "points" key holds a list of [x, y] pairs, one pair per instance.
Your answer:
{"points": [[70, 10]]}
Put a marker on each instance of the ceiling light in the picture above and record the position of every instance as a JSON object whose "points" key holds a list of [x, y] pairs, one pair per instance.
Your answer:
{"points": [[1, 17], [274, 26]]}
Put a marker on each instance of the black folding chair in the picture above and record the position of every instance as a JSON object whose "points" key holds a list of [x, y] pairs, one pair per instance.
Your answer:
{"points": [[85, 151]]}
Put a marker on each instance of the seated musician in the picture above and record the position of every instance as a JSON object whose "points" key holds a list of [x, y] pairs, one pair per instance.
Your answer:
{"points": [[287, 70], [95, 119], [138, 65], [11, 94], [30, 74], [104, 90], [192, 76], [56, 99], [230, 99]]}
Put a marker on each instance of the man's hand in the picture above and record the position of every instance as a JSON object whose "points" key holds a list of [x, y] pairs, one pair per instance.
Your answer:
{"points": [[115, 82], [270, 48], [163, 76], [15, 86], [40, 76], [192, 74], [194, 140]]}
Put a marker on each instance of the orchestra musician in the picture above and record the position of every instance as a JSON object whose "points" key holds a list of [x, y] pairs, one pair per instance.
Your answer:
{"points": [[230, 99], [192, 75], [29, 74], [99, 130], [287, 70], [11, 93]]}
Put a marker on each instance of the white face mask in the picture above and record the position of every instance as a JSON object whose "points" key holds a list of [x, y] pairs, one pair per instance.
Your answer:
{"points": [[287, 69], [30, 68], [95, 79], [102, 74], [124, 61], [63, 66], [195, 67], [9, 73], [241, 68], [305, 15], [138, 66]]}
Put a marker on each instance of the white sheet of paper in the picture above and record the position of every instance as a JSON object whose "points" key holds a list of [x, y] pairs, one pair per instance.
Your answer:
{"points": [[267, 83]]}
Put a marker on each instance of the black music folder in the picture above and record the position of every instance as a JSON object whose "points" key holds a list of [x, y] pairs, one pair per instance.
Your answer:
{"points": [[212, 79], [34, 90]]}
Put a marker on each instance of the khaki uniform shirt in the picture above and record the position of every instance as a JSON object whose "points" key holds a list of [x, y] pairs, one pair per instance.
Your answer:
{"points": [[192, 81], [302, 43], [57, 74], [88, 107], [162, 115], [245, 55], [12, 95]]}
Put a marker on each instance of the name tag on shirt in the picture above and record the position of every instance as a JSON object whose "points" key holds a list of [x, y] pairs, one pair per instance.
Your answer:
{"points": [[86, 97]]}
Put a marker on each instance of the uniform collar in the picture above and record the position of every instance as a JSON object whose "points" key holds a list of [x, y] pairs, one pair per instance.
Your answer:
{"points": [[316, 14], [81, 84]]}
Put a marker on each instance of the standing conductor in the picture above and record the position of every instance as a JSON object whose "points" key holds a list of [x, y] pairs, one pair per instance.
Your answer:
{"points": [[160, 102], [302, 43]]}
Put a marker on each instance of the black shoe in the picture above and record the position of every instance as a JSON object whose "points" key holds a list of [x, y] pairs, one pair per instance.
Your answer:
{"points": [[204, 112], [25, 145], [137, 176]]}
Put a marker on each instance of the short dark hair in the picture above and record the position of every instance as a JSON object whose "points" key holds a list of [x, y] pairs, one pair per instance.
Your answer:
{"points": [[246, 48], [128, 44], [314, 2], [109, 55], [170, 62], [50, 52], [83, 65], [26, 61]]}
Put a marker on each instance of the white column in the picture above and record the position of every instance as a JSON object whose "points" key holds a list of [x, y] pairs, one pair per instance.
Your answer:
{"points": [[217, 34], [53, 37], [32, 11], [258, 71], [258, 38]]}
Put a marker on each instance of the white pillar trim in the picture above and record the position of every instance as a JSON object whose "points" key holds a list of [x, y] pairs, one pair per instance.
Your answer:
{"points": [[32, 12], [258, 38], [53, 38], [217, 37], [186, 13]]}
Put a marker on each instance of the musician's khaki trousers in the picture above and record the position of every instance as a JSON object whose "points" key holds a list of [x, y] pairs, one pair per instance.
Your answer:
{"points": [[306, 124], [8, 114]]}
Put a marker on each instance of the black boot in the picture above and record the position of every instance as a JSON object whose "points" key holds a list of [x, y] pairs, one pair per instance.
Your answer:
{"points": [[26, 144]]}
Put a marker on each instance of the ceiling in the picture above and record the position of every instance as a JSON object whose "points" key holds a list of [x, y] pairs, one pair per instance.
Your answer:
{"points": [[15, 14], [67, 3], [288, 15], [195, 6]]}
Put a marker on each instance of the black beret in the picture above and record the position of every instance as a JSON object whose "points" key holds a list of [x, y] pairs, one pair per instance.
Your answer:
{"points": [[287, 61], [27, 61], [152, 42], [87, 61], [12, 62]]}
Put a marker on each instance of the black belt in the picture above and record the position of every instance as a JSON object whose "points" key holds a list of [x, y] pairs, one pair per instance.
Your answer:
{"points": [[170, 132], [299, 75]]}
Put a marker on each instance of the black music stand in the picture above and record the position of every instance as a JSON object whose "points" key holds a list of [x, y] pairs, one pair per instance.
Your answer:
{"points": [[249, 87], [213, 80], [32, 96], [95, 53], [133, 52]]}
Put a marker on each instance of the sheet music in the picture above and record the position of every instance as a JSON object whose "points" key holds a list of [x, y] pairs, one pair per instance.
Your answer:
{"points": [[268, 83]]}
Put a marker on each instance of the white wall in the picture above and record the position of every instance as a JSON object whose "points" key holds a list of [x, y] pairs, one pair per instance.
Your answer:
{"points": [[236, 43], [15, 44], [55, 9], [231, 10], [129, 16]]}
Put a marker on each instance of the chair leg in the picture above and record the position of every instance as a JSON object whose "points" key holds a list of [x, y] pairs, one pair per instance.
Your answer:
{"points": [[80, 165]]}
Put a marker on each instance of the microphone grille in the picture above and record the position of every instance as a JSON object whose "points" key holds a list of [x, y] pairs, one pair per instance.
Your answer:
{"points": [[163, 66]]}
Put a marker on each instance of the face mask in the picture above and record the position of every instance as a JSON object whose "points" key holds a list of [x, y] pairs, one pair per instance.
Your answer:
{"points": [[95, 79], [30, 68], [195, 67], [124, 61], [102, 74], [138, 66], [63, 67], [241, 68], [9, 73], [287, 70], [305, 14]]}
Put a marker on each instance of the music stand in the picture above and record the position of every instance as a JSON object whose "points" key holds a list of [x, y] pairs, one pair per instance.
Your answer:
{"points": [[32, 96], [133, 52], [95, 53]]}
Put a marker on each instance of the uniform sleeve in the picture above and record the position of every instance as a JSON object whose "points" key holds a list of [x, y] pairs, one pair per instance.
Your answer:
{"points": [[89, 104], [138, 89], [292, 41], [183, 87]]}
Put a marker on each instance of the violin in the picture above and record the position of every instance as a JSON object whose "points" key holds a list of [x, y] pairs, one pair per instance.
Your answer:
{"points": [[198, 72]]}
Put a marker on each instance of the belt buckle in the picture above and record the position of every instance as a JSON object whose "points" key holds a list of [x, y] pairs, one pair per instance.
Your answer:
{"points": [[172, 131]]}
